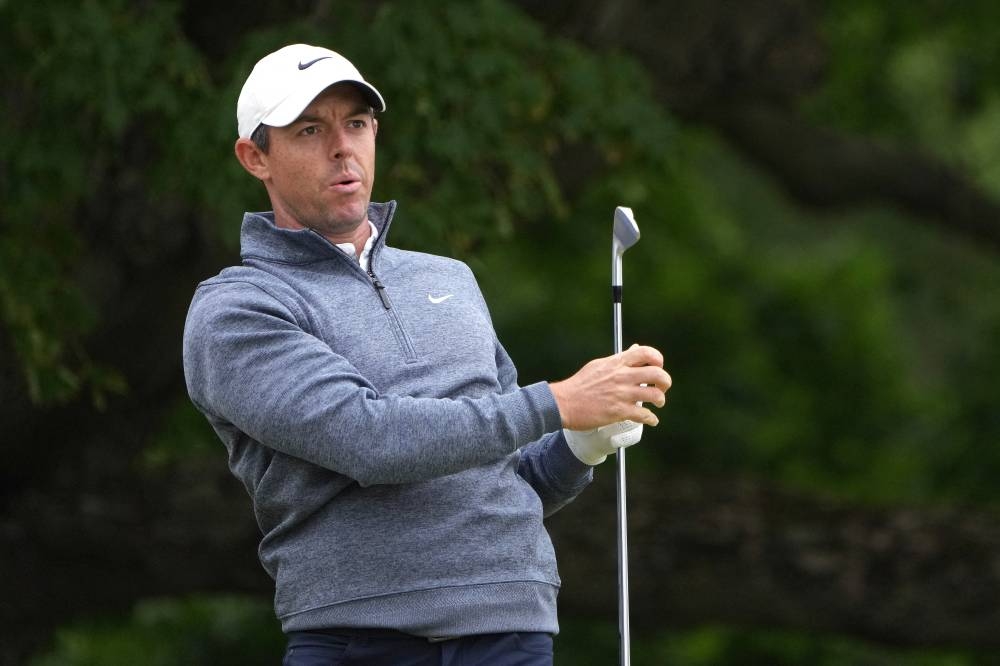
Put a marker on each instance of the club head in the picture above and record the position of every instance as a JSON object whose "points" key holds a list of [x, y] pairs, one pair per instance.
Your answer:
{"points": [[625, 234], [626, 231]]}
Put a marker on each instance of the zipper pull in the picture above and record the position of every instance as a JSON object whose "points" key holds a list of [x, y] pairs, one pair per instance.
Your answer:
{"points": [[379, 289]]}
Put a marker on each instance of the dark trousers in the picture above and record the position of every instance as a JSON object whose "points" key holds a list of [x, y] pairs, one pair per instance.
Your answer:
{"points": [[337, 647]]}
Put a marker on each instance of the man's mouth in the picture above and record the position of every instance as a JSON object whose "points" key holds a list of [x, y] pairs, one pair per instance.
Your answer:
{"points": [[345, 184]]}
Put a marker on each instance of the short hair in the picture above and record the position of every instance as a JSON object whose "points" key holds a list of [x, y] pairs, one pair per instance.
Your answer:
{"points": [[260, 137]]}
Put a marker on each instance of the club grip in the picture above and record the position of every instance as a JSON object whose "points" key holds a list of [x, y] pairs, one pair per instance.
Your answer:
{"points": [[623, 433]]}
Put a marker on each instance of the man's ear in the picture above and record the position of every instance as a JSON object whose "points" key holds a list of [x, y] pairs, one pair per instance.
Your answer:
{"points": [[252, 159], [375, 125]]}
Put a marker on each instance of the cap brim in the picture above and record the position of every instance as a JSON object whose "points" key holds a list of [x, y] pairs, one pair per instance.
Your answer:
{"points": [[293, 105]]}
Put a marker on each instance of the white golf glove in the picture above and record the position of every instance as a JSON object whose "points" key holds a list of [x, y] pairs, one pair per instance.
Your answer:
{"points": [[593, 446]]}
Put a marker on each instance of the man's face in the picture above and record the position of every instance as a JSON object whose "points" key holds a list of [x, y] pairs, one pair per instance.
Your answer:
{"points": [[320, 169]]}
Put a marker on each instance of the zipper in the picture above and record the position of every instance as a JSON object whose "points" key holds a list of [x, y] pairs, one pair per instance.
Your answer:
{"points": [[409, 353], [395, 324], [379, 288]]}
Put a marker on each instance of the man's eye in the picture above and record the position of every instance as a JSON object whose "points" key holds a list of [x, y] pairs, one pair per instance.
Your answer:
{"points": [[310, 130], [358, 124]]}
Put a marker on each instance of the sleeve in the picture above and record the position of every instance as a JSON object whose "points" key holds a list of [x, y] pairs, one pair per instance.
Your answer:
{"points": [[547, 464], [248, 362]]}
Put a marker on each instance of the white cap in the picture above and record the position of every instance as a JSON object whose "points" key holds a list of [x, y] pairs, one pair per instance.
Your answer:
{"points": [[285, 82]]}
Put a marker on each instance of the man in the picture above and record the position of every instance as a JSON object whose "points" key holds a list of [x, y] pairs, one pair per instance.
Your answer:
{"points": [[398, 474]]}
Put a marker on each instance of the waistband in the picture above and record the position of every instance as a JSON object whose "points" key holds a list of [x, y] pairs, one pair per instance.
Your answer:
{"points": [[379, 634]]}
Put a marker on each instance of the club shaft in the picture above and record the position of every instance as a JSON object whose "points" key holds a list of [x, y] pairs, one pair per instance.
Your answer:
{"points": [[623, 604], [623, 620], [624, 235]]}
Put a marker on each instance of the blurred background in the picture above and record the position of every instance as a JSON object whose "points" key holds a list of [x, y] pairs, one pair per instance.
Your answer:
{"points": [[818, 188]]}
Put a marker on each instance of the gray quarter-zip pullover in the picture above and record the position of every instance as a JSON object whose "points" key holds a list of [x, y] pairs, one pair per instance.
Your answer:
{"points": [[398, 474]]}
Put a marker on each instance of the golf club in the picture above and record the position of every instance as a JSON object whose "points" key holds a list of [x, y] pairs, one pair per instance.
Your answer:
{"points": [[625, 235]]}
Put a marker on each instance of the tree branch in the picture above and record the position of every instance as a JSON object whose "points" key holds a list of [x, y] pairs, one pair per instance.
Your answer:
{"points": [[741, 68]]}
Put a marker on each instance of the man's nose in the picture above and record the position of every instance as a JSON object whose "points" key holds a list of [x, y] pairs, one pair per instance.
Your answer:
{"points": [[340, 146]]}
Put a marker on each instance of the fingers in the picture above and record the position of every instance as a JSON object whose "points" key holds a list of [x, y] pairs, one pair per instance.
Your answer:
{"points": [[638, 355], [638, 393], [614, 388], [651, 394], [653, 376], [650, 381], [642, 415]]}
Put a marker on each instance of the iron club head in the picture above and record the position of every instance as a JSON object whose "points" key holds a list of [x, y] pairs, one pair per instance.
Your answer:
{"points": [[625, 234], [626, 231]]}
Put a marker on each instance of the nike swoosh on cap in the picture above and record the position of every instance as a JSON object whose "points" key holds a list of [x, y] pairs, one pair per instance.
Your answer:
{"points": [[438, 299], [307, 65]]}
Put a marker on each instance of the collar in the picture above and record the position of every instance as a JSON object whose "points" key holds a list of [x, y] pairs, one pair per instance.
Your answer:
{"points": [[349, 250], [261, 239]]}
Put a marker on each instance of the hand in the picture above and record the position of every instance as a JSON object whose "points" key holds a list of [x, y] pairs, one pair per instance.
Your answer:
{"points": [[614, 388], [593, 446]]}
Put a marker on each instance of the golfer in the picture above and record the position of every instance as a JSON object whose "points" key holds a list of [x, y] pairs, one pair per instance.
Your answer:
{"points": [[398, 473]]}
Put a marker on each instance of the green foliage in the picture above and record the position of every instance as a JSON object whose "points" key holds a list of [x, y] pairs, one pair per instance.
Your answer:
{"points": [[799, 358], [588, 644], [238, 630], [221, 631], [970, 467], [47, 318], [80, 77], [481, 107], [790, 351], [924, 71], [822, 350], [184, 435], [846, 353], [720, 646], [242, 631], [927, 73], [474, 139]]}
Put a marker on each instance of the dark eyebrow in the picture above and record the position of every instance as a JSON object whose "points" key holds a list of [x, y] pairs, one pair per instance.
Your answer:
{"points": [[359, 110]]}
